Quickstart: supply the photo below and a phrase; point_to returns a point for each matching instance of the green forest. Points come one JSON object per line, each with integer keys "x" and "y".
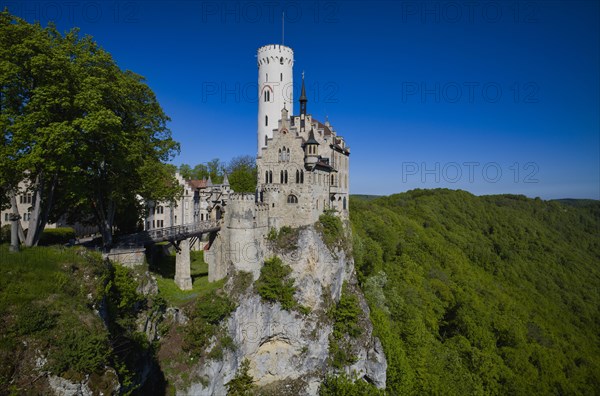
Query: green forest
{"x": 482, "y": 295}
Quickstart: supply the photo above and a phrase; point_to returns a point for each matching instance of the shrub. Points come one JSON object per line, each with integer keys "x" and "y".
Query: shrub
{"x": 285, "y": 239}
{"x": 57, "y": 236}
{"x": 332, "y": 229}
{"x": 345, "y": 315}
{"x": 242, "y": 383}
{"x": 5, "y": 233}
{"x": 79, "y": 349}
{"x": 344, "y": 385}
{"x": 32, "y": 318}
{"x": 208, "y": 312}
{"x": 275, "y": 284}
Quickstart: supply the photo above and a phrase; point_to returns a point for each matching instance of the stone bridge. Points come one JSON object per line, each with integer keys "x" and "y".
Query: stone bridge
{"x": 130, "y": 249}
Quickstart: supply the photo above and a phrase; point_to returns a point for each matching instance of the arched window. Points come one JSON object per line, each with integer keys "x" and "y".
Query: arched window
{"x": 285, "y": 174}
{"x": 292, "y": 199}
{"x": 280, "y": 76}
{"x": 266, "y": 139}
{"x": 281, "y": 177}
{"x": 266, "y": 177}
{"x": 266, "y": 124}
{"x": 344, "y": 201}
{"x": 288, "y": 154}
{"x": 270, "y": 176}
{"x": 280, "y": 157}
{"x": 301, "y": 176}
{"x": 281, "y": 60}
{"x": 297, "y": 176}
{"x": 332, "y": 180}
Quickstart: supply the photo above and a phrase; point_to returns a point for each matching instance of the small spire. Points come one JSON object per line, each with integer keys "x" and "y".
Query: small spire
{"x": 303, "y": 98}
{"x": 225, "y": 180}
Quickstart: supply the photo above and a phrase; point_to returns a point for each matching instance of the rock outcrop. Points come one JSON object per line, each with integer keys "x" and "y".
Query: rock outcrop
{"x": 288, "y": 351}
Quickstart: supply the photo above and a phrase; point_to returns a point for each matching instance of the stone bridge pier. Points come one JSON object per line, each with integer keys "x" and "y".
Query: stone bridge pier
{"x": 183, "y": 275}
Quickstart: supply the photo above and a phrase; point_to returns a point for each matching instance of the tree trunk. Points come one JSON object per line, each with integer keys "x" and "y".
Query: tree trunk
{"x": 14, "y": 225}
{"x": 105, "y": 220}
{"x": 40, "y": 212}
{"x": 15, "y": 211}
{"x": 35, "y": 213}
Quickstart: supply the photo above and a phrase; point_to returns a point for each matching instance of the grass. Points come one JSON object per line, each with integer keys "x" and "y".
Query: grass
{"x": 164, "y": 271}
{"x": 44, "y": 306}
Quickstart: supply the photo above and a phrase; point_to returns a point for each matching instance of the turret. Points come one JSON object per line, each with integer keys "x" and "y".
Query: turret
{"x": 311, "y": 151}
{"x": 275, "y": 88}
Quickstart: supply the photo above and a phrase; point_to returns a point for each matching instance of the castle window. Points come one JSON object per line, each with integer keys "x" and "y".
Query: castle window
{"x": 266, "y": 139}
{"x": 285, "y": 174}
{"x": 281, "y": 75}
{"x": 270, "y": 176}
{"x": 288, "y": 155}
{"x": 281, "y": 177}
{"x": 297, "y": 176}
{"x": 266, "y": 124}
{"x": 332, "y": 180}
{"x": 344, "y": 201}
{"x": 280, "y": 157}
{"x": 266, "y": 177}
{"x": 301, "y": 176}
{"x": 267, "y": 77}
{"x": 292, "y": 199}
{"x": 281, "y": 60}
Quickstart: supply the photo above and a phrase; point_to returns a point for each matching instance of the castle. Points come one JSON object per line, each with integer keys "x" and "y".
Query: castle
{"x": 302, "y": 163}
{"x": 303, "y": 171}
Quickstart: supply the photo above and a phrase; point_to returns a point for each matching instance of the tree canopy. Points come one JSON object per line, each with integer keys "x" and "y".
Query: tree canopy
{"x": 240, "y": 170}
{"x": 482, "y": 295}
{"x": 87, "y": 137}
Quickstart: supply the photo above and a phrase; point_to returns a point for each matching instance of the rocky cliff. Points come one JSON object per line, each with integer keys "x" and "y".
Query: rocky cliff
{"x": 290, "y": 350}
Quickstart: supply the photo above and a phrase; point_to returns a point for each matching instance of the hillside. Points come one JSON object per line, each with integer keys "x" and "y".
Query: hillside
{"x": 482, "y": 295}
{"x": 74, "y": 324}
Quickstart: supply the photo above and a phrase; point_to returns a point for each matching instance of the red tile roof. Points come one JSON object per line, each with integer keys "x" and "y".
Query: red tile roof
{"x": 195, "y": 184}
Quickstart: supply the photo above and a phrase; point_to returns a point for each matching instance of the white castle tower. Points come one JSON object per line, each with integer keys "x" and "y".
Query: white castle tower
{"x": 275, "y": 88}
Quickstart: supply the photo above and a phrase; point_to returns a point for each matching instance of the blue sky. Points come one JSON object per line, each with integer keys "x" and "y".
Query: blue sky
{"x": 487, "y": 96}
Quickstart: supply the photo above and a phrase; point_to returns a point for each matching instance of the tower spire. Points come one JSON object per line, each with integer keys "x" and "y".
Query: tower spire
{"x": 303, "y": 98}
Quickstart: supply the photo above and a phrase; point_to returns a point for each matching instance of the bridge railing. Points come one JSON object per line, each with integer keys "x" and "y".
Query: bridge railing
{"x": 177, "y": 232}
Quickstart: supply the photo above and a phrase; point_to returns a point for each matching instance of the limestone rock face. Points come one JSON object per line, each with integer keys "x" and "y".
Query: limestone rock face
{"x": 289, "y": 351}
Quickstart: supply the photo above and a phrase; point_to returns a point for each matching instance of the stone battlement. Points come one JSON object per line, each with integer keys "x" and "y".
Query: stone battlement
{"x": 240, "y": 197}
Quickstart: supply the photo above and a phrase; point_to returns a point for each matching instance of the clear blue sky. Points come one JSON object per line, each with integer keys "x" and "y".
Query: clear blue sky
{"x": 490, "y": 97}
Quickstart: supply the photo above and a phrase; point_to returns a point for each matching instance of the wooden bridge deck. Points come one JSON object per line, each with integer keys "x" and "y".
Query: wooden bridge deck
{"x": 174, "y": 233}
